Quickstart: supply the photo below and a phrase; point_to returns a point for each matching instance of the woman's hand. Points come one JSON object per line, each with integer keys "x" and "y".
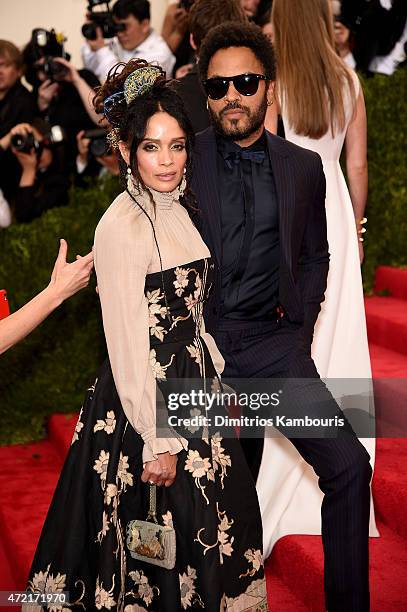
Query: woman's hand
{"x": 68, "y": 278}
{"x": 162, "y": 471}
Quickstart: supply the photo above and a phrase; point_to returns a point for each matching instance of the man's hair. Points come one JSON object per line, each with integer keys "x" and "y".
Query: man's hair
{"x": 207, "y": 14}
{"x": 237, "y": 35}
{"x": 11, "y": 53}
{"x": 140, "y": 9}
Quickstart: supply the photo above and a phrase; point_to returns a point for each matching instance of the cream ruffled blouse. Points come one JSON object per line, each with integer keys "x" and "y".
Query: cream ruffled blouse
{"x": 124, "y": 253}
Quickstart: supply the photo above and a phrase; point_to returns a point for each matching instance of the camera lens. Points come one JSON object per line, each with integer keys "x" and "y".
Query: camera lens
{"x": 99, "y": 147}
{"x": 23, "y": 143}
{"x": 89, "y": 31}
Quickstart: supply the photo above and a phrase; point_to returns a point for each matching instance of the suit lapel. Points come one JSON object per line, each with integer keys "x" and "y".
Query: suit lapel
{"x": 206, "y": 189}
{"x": 285, "y": 188}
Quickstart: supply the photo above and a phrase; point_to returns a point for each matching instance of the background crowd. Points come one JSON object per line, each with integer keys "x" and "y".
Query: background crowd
{"x": 50, "y": 136}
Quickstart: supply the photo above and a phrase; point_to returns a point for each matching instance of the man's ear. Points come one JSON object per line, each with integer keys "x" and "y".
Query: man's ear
{"x": 270, "y": 90}
{"x": 124, "y": 152}
{"x": 145, "y": 26}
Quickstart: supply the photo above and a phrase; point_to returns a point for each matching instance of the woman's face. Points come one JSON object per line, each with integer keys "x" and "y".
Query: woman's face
{"x": 161, "y": 156}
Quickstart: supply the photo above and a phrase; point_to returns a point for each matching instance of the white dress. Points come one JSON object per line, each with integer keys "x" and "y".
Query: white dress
{"x": 290, "y": 499}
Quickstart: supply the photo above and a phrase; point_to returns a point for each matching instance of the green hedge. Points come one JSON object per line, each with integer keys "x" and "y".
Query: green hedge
{"x": 386, "y": 238}
{"x": 51, "y": 369}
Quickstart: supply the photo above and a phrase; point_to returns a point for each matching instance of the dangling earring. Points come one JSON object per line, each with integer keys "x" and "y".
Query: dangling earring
{"x": 129, "y": 179}
{"x": 270, "y": 102}
{"x": 183, "y": 184}
{"x": 207, "y": 104}
{"x": 132, "y": 185}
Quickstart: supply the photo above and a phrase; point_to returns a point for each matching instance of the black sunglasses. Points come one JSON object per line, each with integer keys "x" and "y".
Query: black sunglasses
{"x": 246, "y": 84}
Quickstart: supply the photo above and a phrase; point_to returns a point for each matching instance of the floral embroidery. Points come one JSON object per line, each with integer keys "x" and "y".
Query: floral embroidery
{"x": 107, "y": 425}
{"x": 194, "y": 351}
{"x": 105, "y": 528}
{"x": 254, "y": 599}
{"x": 44, "y": 582}
{"x": 220, "y": 460}
{"x": 190, "y": 301}
{"x": 78, "y": 427}
{"x": 254, "y": 558}
{"x": 155, "y": 310}
{"x": 103, "y": 598}
{"x": 159, "y": 370}
{"x": 145, "y": 591}
{"x": 167, "y": 519}
{"x": 198, "y": 285}
{"x": 195, "y": 412}
{"x": 101, "y": 466}
{"x": 122, "y": 473}
{"x": 224, "y": 540}
{"x": 198, "y": 467}
{"x": 134, "y": 608}
{"x": 188, "y": 590}
{"x": 181, "y": 280}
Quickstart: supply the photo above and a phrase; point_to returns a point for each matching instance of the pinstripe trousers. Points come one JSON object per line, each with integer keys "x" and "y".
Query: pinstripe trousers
{"x": 276, "y": 350}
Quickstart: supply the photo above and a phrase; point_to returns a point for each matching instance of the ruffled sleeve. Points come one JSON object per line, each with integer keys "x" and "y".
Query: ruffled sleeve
{"x": 122, "y": 254}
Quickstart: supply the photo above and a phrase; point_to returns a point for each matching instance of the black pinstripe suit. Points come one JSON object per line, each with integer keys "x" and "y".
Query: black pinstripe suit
{"x": 263, "y": 350}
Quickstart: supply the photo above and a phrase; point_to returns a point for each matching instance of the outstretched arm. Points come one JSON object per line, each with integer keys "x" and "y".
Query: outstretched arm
{"x": 66, "y": 280}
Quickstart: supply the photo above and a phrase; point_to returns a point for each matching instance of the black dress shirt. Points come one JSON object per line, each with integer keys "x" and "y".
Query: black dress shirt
{"x": 250, "y": 231}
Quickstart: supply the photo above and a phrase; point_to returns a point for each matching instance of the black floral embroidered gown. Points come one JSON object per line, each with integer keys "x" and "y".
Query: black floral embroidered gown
{"x": 155, "y": 332}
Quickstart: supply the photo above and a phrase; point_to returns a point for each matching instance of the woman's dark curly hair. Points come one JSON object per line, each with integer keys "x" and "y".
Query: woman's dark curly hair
{"x": 232, "y": 34}
{"x": 131, "y": 119}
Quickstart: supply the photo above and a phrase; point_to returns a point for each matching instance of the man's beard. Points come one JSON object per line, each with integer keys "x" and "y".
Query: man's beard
{"x": 256, "y": 121}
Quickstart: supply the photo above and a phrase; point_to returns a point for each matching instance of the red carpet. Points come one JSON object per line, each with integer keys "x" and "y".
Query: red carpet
{"x": 28, "y": 475}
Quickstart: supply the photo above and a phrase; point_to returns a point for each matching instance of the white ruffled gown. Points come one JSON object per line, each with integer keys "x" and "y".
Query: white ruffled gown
{"x": 290, "y": 499}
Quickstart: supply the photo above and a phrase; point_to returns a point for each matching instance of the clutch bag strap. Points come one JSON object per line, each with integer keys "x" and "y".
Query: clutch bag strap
{"x": 152, "y": 512}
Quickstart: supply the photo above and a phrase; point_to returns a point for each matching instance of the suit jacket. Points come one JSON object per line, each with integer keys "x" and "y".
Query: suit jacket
{"x": 304, "y": 257}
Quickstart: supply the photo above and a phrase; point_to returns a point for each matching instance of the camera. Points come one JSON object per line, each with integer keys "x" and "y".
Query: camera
{"x": 99, "y": 145}
{"x": 25, "y": 143}
{"x": 101, "y": 19}
{"x": 48, "y": 45}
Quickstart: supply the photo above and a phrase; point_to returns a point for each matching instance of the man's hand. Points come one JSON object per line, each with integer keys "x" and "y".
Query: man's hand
{"x": 28, "y": 161}
{"x": 162, "y": 471}
{"x": 99, "y": 41}
{"x": 46, "y": 92}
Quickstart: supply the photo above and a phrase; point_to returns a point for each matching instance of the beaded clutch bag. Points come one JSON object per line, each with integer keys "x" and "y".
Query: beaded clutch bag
{"x": 149, "y": 541}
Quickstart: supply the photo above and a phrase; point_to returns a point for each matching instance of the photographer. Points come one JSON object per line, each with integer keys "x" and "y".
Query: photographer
{"x": 17, "y": 105}
{"x": 95, "y": 157}
{"x": 43, "y": 183}
{"x": 135, "y": 38}
{"x": 175, "y": 32}
{"x": 63, "y": 93}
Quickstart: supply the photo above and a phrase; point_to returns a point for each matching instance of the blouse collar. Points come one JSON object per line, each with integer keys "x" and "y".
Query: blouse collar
{"x": 162, "y": 200}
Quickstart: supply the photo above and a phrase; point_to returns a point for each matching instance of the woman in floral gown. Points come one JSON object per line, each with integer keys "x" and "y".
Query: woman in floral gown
{"x": 154, "y": 274}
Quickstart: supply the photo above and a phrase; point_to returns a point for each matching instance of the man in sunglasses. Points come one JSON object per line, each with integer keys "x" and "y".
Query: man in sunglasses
{"x": 262, "y": 214}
